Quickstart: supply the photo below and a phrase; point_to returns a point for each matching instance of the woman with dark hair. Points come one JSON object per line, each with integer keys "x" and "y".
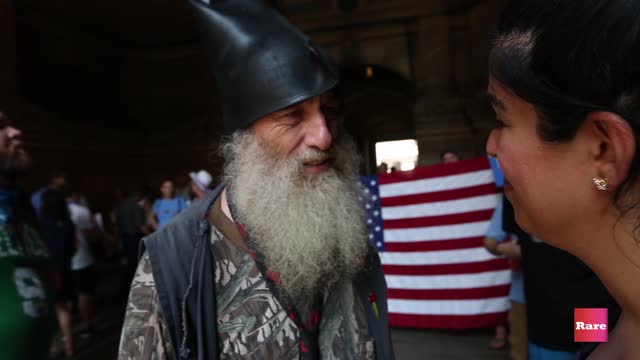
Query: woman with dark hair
{"x": 565, "y": 85}
{"x": 59, "y": 233}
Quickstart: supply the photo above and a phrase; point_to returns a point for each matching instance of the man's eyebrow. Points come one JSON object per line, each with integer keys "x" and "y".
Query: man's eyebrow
{"x": 495, "y": 101}
{"x": 283, "y": 111}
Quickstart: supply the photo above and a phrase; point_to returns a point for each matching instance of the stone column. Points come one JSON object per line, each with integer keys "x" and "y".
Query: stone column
{"x": 437, "y": 111}
{"x": 451, "y": 68}
{"x": 433, "y": 55}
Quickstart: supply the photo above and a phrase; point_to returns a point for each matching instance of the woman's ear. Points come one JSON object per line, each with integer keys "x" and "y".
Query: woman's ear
{"x": 611, "y": 145}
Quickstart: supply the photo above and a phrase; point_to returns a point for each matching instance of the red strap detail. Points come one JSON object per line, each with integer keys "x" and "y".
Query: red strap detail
{"x": 314, "y": 319}
{"x": 372, "y": 297}
{"x": 243, "y": 231}
{"x": 274, "y": 276}
{"x": 303, "y": 347}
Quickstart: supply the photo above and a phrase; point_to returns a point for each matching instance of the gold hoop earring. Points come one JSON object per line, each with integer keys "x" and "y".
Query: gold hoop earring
{"x": 601, "y": 183}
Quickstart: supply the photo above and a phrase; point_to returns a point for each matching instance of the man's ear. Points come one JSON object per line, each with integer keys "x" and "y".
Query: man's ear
{"x": 611, "y": 145}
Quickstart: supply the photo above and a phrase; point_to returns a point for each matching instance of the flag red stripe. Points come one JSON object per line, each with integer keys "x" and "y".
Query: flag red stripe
{"x": 455, "y": 322}
{"x": 439, "y": 170}
{"x": 447, "y": 195}
{"x": 437, "y": 245}
{"x": 452, "y": 219}
{"x": 450, "y": 294}
{"x": 447, "y": 269}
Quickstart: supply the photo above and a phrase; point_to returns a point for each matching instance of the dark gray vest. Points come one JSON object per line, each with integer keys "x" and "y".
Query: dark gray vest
{"x": 183, "y": 271}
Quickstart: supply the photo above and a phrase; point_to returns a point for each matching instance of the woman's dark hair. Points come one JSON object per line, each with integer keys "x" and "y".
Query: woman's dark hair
{"x": 569, "y": 58}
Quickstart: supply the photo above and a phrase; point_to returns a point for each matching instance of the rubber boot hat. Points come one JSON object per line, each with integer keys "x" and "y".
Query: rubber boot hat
{"x": 261, "y": 62}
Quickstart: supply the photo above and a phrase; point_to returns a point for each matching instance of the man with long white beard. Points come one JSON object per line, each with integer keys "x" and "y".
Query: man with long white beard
{"x": 274, "y": 263}
{"x": 26, "y": 313}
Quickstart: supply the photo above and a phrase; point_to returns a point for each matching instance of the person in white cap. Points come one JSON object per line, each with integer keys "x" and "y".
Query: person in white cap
{"x": 200, "y": 182}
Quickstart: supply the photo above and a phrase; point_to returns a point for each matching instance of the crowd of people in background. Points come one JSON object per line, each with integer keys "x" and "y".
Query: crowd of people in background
{"x": 76, "y": 237}
{"x": 140, "y": 213}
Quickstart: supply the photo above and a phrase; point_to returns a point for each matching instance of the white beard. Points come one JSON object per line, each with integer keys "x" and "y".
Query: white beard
{"x": 309, "y": 227}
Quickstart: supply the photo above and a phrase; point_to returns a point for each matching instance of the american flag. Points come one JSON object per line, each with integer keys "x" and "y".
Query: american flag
{"x": 428, "y": 225}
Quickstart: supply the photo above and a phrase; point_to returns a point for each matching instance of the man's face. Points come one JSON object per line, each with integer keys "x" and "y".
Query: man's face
{"x": 306, "y": 219}
{"x": 306, "y": 129}
{"x": 13, "y": 157}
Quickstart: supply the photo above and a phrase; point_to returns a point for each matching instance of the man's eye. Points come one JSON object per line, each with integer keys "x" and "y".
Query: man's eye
{"x": 291, "y": 117}
{"x": 295, "y": 114}
{"x": 499, "y": 124}
{"x": 330, "y": 110}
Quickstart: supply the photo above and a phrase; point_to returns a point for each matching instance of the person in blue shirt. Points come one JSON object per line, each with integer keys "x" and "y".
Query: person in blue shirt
{"x": 499, "y": 242}
{"x": 166, "y": 207}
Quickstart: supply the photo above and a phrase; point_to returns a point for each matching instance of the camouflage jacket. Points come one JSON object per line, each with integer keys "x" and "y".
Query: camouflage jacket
{"x": 149, "y": 334}
{"x": 144, "y": 333}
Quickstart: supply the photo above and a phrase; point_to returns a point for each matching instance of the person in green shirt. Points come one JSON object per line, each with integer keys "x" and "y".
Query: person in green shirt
{"x": 26, "y": 314}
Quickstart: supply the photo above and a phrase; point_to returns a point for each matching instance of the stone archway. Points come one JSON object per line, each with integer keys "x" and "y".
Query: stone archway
{"x": 379, "y": 106}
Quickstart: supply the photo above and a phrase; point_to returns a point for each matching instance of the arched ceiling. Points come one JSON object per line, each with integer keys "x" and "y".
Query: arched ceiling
{"x": 131, "y": 64}
{"x": 137, "y": 64}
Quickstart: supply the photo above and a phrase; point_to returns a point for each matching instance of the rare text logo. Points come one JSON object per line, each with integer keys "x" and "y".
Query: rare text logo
{"x": 590, "y": 325}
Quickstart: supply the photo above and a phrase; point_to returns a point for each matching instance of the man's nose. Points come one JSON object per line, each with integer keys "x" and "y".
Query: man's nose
{"x": 13, "y": 132}
{"x": 318, "y": 132}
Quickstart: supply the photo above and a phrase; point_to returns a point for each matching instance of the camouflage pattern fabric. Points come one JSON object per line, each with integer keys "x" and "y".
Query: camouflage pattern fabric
{"x": 251, "y": 322}
{"x": 343, "y": 328}
{"x": 144, "y": 334}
